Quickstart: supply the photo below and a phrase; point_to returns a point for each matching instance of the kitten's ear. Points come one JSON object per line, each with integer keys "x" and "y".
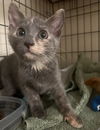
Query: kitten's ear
{"x": 14, "y": 15}
{"x": 55, "y": 22}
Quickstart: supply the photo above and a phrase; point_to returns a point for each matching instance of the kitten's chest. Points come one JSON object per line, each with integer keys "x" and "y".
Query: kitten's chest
{"x": 40, "y": 81}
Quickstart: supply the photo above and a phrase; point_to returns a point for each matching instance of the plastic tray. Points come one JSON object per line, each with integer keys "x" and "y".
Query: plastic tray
{"x": 11, "y": 112}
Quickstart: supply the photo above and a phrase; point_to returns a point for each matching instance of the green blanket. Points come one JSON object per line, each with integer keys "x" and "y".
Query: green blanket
{"x": 54, "y": 120}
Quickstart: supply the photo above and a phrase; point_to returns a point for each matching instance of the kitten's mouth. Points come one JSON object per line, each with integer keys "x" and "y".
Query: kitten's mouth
{"x": 32, "y": 53}
{"x": 35, "y": 49}
{"x": 28, "y": 45}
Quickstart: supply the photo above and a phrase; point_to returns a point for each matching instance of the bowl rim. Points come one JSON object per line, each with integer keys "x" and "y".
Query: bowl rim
{"x": 18, "y": 113}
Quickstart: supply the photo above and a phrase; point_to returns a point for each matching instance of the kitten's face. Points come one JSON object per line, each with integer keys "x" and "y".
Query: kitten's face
{"x": 32, "y": 38}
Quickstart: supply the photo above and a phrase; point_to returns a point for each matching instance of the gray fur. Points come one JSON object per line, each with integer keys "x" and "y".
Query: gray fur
{"x": 37, "y": 72}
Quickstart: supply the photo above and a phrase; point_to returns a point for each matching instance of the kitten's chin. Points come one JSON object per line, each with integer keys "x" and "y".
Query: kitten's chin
{"x": 29, "y": 56}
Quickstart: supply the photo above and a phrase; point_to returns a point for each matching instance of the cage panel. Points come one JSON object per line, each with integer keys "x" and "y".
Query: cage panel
{"x": 82, "y": 28}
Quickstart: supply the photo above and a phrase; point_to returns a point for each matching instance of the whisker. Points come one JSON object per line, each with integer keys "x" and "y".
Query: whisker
{"x": 56, "y": 48}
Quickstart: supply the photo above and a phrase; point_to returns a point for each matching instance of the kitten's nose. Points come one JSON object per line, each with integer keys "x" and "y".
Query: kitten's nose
{"x": 28, "y": 44}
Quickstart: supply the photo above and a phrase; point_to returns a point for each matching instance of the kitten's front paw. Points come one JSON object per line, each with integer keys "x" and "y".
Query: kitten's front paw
{"x": 38, "y": 112}
{"x": 74, "y": 121}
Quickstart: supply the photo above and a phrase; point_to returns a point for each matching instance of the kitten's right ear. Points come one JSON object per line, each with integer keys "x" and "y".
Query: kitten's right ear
{"x": 14, "y": 15}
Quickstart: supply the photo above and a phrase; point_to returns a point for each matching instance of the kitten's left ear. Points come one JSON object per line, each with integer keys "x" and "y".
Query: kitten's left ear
{"x": 55, "y": 22}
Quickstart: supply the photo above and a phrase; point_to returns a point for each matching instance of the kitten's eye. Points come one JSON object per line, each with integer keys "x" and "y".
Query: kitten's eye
{"x": 43, "y": 34}
{"x": 21, "y": 32}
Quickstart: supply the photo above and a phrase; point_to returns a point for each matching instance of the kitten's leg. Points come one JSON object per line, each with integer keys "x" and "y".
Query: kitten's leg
{"x": 64, "y": 106}
{"x": 6, "y": 86}
{"x": 34, "y": 100}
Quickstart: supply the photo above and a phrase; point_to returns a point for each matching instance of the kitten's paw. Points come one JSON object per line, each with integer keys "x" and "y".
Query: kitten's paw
{"x": 74, "y": 121}
{"x": 39, "y": 113}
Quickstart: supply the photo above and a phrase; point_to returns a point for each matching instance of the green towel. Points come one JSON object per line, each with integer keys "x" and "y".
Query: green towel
{"x": 54, "y": 120}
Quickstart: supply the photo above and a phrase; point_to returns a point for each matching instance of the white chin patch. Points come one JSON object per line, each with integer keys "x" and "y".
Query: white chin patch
{"x": 37, "y": 65}
{"x": 29, "y": 55}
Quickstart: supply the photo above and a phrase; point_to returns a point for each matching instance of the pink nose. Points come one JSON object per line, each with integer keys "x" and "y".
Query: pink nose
{"x": 28, "y": 44}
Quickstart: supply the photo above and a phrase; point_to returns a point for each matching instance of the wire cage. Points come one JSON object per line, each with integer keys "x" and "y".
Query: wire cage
{"x": 80, "y": 32}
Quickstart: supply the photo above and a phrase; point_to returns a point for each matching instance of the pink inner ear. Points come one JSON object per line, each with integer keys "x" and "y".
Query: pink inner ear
{"x": 56, "y": 23}
{"x": 58, "y": 33}
{"x": 57, "y": 26}
{"x": 11, "y": 20}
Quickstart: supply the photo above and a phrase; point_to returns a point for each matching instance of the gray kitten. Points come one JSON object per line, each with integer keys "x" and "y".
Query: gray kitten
{"x": 33, "y": 68}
